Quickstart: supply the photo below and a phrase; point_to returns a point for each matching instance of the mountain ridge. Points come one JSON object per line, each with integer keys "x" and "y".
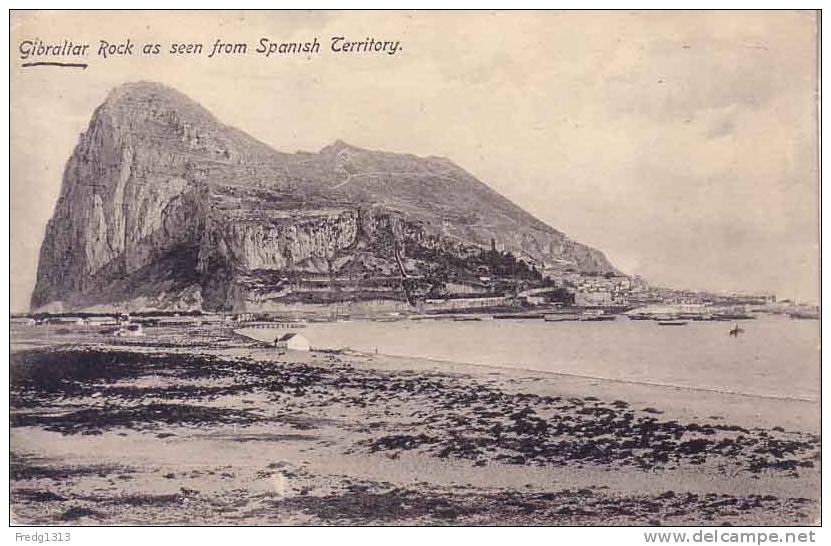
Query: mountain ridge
{"x": 156, "y": 179}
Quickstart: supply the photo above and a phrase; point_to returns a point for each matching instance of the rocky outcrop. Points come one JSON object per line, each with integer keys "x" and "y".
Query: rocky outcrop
{"x": 287, "y": 243}
{"x": 163, "y": 206}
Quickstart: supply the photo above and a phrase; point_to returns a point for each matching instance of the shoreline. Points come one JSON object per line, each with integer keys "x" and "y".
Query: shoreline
{"x": 506, "y": 368}
{"x": 801, "y": 413}
{"x": 162, "y": 433}
{"x": 685, "y": 402}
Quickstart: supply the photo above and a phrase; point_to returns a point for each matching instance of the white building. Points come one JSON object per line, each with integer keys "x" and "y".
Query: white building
{"x": 292, "y": 341}
{"x": 593, "y": 299}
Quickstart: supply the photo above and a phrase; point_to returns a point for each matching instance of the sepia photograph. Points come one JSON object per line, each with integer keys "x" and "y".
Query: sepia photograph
{"x": 414, "y": 268}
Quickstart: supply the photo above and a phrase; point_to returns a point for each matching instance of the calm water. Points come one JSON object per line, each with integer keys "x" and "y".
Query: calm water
{"x": 774, "y": 357}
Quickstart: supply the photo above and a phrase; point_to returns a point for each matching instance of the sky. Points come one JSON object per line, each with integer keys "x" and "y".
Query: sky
{"x": 681, "y": 144}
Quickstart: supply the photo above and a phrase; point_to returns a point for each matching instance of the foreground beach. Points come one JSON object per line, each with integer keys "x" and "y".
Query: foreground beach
{"x": 211, "y": 429}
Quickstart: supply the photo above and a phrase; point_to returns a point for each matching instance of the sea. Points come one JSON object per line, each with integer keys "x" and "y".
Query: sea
{"x": 774, "y": 357}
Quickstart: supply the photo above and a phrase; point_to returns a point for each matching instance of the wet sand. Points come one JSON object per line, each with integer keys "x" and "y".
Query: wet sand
{"x": 203, "y": 427}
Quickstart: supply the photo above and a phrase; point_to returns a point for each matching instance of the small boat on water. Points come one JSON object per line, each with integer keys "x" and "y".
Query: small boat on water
{"x": 519, "y": 316}
{"x": 561, "y": 317}
{"x": 733, "y": 316}
{"x": 670, "y": 320}
{"x": 595, "y": 315}
{"x": 803, "y": 315}
{"x": 466, "y": 319}
{"x": 736, "y": 331}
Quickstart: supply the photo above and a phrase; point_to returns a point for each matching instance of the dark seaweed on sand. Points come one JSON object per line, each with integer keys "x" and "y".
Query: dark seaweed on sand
{"x": 457, "y": 417}
{"x": 386, "y": 504}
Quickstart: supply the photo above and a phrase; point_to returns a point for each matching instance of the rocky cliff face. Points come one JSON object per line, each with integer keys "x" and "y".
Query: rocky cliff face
{"x": 164, "y": 207}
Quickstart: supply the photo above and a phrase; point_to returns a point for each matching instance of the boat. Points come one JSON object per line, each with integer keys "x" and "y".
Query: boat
{"x": 466, "y": 319}
{"x": 736, "y": 331}
{"x": 595, "y": 315}
{"x": 672, "y": 322}
{"x": 519, "y": 316}
{"x": 803, "y": 315}
{"x": 561, "y": 317}
{"x": 733, "y": 313}
{"x": 129, "y": 330}
{"x": 733, "y": 316}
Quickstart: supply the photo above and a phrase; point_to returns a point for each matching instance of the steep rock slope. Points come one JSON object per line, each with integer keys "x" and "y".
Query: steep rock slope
{"x": 163, "y": 206}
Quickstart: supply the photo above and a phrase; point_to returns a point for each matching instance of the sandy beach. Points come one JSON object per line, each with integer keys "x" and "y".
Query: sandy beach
{"x": 210, "y": 428}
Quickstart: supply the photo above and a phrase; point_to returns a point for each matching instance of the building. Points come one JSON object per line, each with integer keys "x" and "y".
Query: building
{"x": 292, "y": 341}
{"x": 593, "y": 299}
